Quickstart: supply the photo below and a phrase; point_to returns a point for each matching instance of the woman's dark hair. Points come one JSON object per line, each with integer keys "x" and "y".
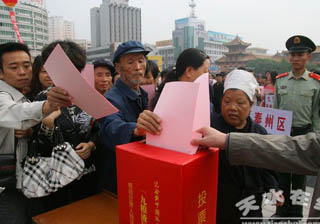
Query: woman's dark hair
{"x": 164, "y": 73}
{"x": 153, "y": 68}
{"x": 273, "y": 76}
{"x": 75, "y": 53}
{"x": 191, "y": 57}
{"x": 35, "y": 86}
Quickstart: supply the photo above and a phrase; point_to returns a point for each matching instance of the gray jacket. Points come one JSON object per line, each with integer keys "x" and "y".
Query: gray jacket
{"x": 300, "y": 154}
{"x": 16, "y": 113}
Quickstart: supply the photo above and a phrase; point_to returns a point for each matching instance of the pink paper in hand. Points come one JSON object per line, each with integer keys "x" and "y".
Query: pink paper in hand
{"x": 88, "y": 74}
{"x": 176, "y": 108}
{"x": 151, "y": 90}
{"x": 202, "y": 114}
{"x": 184, "y": 107}
{"x": 65, "y": 75}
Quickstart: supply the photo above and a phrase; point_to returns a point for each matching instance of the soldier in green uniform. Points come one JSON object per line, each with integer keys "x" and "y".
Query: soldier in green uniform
{"x": 297, "y": 91}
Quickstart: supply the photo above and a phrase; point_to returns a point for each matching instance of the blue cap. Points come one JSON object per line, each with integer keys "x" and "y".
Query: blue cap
{"x": 128, "y": 47}
{"x": 104, "y": 63}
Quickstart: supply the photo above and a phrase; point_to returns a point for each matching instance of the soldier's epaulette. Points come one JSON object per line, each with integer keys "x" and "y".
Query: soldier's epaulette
{"x": 314, "y": 76}
{"x": 282, "y": 75}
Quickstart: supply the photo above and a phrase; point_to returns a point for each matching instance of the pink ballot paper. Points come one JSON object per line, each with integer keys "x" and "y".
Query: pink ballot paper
{"x": 151, "y": 90}
{"x": 183, "y": 107}
{"x": 88, "y": 74}
{"x": 65, "y": 75}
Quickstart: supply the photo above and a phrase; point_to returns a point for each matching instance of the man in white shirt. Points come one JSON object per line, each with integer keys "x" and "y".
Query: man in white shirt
{"x": 17, "y": 116}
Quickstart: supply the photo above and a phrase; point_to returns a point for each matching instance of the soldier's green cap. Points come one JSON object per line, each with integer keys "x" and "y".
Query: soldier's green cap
{"x": 299, "y": 43}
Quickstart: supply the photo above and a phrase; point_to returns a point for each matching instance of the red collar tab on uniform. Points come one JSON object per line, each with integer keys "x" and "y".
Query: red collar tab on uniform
{"x": 282, "y": 75}
{"x": 314, "y": 76}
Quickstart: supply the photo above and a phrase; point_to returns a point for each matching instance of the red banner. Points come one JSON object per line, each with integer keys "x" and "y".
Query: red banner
{"x": 15, "y": 25}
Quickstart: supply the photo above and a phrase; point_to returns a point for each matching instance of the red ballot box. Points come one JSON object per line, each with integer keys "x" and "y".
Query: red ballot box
{"x": 156, "y": 185}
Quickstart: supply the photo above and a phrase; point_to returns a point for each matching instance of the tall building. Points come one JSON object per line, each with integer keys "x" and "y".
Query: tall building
{"x": 69, "y": 30}
{"x": 165, "y": 48}
{"x": 190, "y": 32}
{"x": 83, "y": 43}
{"x": 32, "y": 21}
{"x": 60, "y": 29}
{"x": 115, "y": 21}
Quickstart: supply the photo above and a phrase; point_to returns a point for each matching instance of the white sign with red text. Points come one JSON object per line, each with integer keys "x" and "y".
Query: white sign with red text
{"x": 276, "y": 122}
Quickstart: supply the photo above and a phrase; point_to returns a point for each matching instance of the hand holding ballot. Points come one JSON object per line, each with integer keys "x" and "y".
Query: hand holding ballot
{"x": 65, "y": 75}
{"x": 148, "y": 122}
{"x": 184, "y": 108}
{"x": 56, "y": 98}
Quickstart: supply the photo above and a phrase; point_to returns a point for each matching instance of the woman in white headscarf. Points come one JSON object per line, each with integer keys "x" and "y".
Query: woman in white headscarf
{"x": 237, "y": 183}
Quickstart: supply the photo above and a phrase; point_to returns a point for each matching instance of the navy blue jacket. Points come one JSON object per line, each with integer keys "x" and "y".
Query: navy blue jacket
{"x": 118, "y": 128}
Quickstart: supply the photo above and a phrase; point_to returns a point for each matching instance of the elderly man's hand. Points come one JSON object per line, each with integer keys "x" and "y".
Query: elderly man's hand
{"x": 148, "y": 122}
{"x": 210, "y": 138}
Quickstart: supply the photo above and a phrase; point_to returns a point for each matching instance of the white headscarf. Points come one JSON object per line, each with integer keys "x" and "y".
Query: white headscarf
{"x": 243, "y": 80}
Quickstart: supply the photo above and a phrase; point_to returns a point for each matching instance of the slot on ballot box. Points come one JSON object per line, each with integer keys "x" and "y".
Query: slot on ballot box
{"x": 156, "y": 185}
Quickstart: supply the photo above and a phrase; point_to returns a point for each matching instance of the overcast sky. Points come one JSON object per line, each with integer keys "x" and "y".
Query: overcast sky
{"x": 264, "y": 23}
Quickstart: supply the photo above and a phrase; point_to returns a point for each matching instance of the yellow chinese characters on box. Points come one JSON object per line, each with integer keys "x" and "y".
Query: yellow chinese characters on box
{"x": 156, "y": 185}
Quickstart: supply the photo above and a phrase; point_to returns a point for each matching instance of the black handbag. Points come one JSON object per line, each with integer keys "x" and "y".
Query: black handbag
{"x": 8, "y": 170}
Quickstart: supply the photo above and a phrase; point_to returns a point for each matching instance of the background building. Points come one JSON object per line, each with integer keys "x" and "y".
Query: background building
{"x": 115, "y": 21}
{"x": 112, "y": 23}
{"x": 190, "y": 32}
{"x": 238, "y": 55}
{"x": 165, "y": 49}
{"x": 60, "y": 29}
{"x": 221, "y": 37}
{"x": 85, "y": 44}
{"x": 32, "y": 20}
{"x": 257, "y": 50}
{"x": 95, "y": 53}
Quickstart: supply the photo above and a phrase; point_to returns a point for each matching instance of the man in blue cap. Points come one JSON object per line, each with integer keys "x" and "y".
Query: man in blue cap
{"x": 120, "y": 128}
{"x": 299, "y": 92}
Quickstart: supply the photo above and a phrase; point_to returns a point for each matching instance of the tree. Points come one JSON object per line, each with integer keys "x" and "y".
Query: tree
{"x": 260, "y": 66}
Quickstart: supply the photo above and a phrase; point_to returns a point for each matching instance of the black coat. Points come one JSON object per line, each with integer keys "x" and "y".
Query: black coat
{"x": 75, "y": 125}
{"x": 216, "y": 96}
{"x": 239, "y": 182}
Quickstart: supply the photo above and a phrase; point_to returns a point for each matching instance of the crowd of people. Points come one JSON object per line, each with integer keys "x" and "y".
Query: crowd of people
{"x": 33, "y": 109}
